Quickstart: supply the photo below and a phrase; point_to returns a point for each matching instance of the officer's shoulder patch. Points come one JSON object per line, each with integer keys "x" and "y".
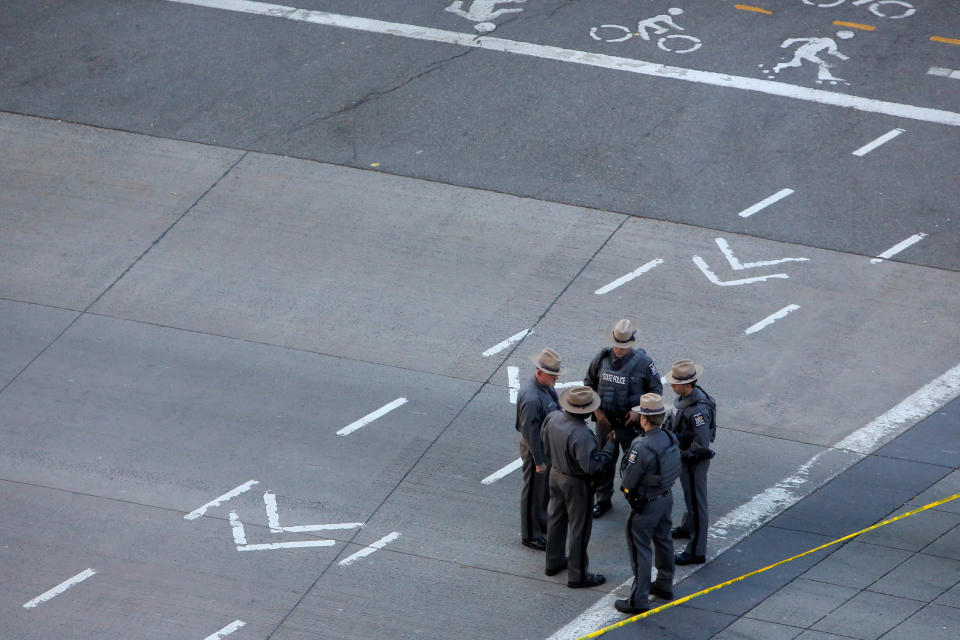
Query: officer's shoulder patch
{"x": 699, "y": 420}
{"x": 632, "y": 458}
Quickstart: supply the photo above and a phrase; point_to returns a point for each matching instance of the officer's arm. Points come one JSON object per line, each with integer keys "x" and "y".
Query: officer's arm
{"x": 654, "y": 384}
{"x": 593, "y": 372}
{"x": 699, "y": 426}
{"x": 528, "y": 415}
{"x": 590, "y": 457}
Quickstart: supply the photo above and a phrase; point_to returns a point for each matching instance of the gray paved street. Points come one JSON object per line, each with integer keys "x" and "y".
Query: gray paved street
{"x": 269, "y": 281}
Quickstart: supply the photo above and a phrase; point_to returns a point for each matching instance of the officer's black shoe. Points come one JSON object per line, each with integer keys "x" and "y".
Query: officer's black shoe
{"x": 623, "y": 606}
{"x": 553, "y": 572}
{"x": 535, "y": 543}
{"x": 663, "y": 594}
{"x": 601, "y": 508}
{"x": 591, "y": 580}
{"x": 677, "y": 532}
{"x": 686, "y": 558}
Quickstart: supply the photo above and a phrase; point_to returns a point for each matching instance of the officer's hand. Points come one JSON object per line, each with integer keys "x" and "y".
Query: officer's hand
{"x": 632, "y": 417}
{"x": 601, "y": 418}
{"x": 541, "y": 468}
{"x": 611, "y": 436}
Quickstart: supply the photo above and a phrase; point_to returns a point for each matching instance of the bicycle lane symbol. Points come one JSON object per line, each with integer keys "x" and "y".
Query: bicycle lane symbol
{"x": 893, "y": 9}
{"x": 657, "y": 25}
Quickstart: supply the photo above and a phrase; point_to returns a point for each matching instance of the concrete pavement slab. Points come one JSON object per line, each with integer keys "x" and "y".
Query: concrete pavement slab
{"x": 353, "y": 263}
{"x": 857, "y": 564}
{"x": 935, "y": 440}
{"x": 802, "y": 603}
{"x": 922, "y": 577}
{"x": 933, "y": 622}
{"x": 948, "y": 486}
{"x": 915, "y": 533}
{"x": 679, "y": 623}
{"x": 748, "y": 629}
{"x": 947, "y": 545}
{"x": 81, "y": 204}
{"x": 868, "y": 615}
{"x": 25, "y": 331}
{"x": 950, "y": 597}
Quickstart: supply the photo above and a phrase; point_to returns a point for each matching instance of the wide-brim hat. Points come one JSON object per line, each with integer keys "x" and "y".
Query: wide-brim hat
{"x": 651, "y": 404}
{"x": 579, "y": 400}
{"x": 622, "y": 334}
{"x": 549, "y": 362}
{"x": 684, "y": 372}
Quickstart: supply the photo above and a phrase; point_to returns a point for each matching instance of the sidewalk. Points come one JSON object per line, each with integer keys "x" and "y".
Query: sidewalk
{"x": 899, "y": 581}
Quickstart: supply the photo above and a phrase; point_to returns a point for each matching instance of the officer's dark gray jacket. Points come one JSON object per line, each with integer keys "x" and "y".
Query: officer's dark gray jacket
{"x": 572, "y": 447}
{"x": 690, "y": 421}
{"x": 621, "y": 390}
{"x": 534, "y": 402}
{"x": 641, "y": 472}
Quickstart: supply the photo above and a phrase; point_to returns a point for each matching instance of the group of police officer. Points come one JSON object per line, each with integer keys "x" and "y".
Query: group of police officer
{"x": 569, "y": 469}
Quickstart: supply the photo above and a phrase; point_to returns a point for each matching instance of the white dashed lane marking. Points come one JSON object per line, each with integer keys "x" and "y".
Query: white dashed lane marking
{"x": 766, "y": 202}
{"x": 870, "y": 146}
{"x": 227, "y": 630}
{"x": 60, "y": 588}
{"x": 370, "y": 417}
{"x": 897, "y": 248}
{"x": 233, "y": 493}
{"x": 773, "y": 317}
{"x": 500, "y": 346}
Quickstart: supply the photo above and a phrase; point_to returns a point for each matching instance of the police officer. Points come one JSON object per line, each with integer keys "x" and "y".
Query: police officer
{"x": 648, "y": 472}
{"x": 620, "y": 373}
{"x": 536, "y": 399}
{"x": 575, "y": 458}
{"x": 693, "y": 421}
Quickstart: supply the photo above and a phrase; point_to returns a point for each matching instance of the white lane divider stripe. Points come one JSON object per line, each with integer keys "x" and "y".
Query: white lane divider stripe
{"x": 587, "y": 58}
{"x": 233, "y": 493}
{"x": 943, "y": 71}
{"x": 897, "y": 248}
{"x": 379, "y": 544}
{"x": 60, "y": 588}
{"x": 504, "y": 471}
{"x": 500, "y": 346}
{"x": 227, "y": 630}
{"x": 773, "y": 317}
{"x": 870, "y": 146}
{"x": 513, "y": 382}
{"x": 630, "y": 276}
{"x": 770, "y": 503}
{"x": 370, "y": 417}
{"x": 766, "y": 202}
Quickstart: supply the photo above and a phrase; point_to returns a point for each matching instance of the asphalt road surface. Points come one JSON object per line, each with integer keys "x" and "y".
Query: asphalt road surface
{"x": 269, "y": 280}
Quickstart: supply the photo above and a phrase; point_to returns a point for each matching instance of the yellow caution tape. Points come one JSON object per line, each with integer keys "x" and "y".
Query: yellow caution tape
{"x": 716, "y": 587}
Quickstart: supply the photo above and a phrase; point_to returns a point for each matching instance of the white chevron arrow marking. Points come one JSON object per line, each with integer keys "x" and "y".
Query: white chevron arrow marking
{"x": 736, "y": 265}
{"x": 712, "y": 277}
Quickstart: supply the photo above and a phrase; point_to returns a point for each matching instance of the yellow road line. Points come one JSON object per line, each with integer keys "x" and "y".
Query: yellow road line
{"x": 854, "y": 25}
{"x": 947, "y": 40}
{"x": 717, "y": 587}
{"x": 746, "y": 7}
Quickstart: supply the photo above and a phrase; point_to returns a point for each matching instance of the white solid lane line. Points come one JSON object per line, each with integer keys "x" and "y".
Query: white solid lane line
{"x": 870, "y": 146}
{"x": 766, "y": 202}
{"x": 379, "y": 544}
{"x": 370, "y": 417}
{"x": 500, "y": 346}
{"x": 227, "y": 630}
{"x": 630, "y": 276}
{"x": 504, "y": 471}
{"x": 768, "y": 504}
{"x": 60, "y": 588}
{"x": 586, "y": 58}
{"x": 770, "y": 319}
{"x": 233, "y": 493}
{"x": 897, "y": 248}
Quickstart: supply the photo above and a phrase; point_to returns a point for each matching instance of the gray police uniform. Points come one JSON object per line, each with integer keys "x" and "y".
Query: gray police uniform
{"x": 620, "y": 382}
{"x": 534, "y": 402}
{"x": 574, "y": 457}
{"x": 691, "y": 421}
{"x": 648, "y": 472}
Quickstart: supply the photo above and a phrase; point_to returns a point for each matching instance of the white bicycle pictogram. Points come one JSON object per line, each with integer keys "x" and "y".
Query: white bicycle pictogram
{"x": 894, "y": 9}
{"x": 674, "y": 43}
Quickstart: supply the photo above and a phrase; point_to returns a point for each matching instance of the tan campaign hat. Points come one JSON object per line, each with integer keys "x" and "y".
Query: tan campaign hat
{"x": 684, "y": 372}
{"x": 622, "y": 334}
{"x": 549, "y": 362}
{"x": 579, "y": 400}
{"x": 650, "y": 404}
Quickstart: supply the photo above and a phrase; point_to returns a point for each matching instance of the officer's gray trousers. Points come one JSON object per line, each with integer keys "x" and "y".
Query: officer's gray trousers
{"x": 534, "y": 497}
{"x": 693, "y": 479}
{"x": 651, "y": 524}
{"x": 570, "y": 507}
